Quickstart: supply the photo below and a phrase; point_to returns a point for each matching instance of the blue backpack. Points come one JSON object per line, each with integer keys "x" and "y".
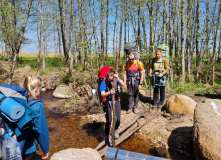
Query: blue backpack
{"x": 16, "y": 114}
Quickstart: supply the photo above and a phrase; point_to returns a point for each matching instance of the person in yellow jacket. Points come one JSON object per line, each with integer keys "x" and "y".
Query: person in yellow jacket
{"x": 158, "y": 69}
{"x": 133, "y": 77}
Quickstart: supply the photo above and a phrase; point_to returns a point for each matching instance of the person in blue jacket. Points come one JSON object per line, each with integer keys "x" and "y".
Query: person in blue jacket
{"x": 106, "y": 91}
{"x": 33, "y": 85}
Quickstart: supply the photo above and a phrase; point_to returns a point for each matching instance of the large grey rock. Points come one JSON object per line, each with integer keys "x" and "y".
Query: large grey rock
{"x": 51, "y": 82}
{"x": 207, "y": 130}
{"x": 76, "y": 154}
{"x": 180, "y": 103}
{"x": 62, "y": 91}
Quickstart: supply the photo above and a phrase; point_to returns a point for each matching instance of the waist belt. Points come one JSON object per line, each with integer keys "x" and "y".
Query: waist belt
{"x": 158, "y": 70}
{"x": 116, "y": 99}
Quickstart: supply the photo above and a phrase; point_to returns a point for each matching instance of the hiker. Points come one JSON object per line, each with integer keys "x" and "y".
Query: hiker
{"x": 133, "y": 77}
{"x": 107, "y": 90}
{"x": 158, "y": 69}
{"x": 33, "y": 85}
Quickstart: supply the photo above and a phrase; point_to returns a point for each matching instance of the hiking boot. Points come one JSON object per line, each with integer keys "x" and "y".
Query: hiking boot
{"x": 154, "y": 106}
{"x": 160, "y": 106}
{"x": 129, "y": 111}
{"x": 116, "y": 134}
{"x": 108, "y": 140}
{"x": 135, "y": 111}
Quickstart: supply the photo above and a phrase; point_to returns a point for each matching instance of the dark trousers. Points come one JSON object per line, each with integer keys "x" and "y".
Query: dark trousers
{"x": 156, "y": 93}
{"x": 108, "y": 115}
{"x": 31, "y": 156}
{"x": 133, "y": 91}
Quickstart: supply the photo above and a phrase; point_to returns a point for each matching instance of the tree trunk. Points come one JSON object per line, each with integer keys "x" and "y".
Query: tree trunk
{"x": 42, "y": 30}
{"x": 214, "y": 45}
{"x": 182, "y": 79}
{"x": 170, "y": 40}
{"x": 85, "y": 44}
{"x": 150, "y": 8}
{"x": 144, "y": 31}
{"x": 138, "y": 30}
{"x": 8, "y": 52}
{"x": 71, "y": 40}
{"x": 102, "y": 33}
{"x": 121, "y": 28}
{"x": 164, "y": 22}
{"x": 197, "y": 40}
{"x": 107, "y": 23}
{"x": 134, "y": 25}
{"x": 19, "y": 41}
{"x": 63, "y": 29}
{"x": 188, "y": 39}
{"x": 115, "y": 28}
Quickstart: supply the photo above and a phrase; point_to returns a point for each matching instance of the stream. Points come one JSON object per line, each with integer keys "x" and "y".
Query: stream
{"x": 72, "y": 131}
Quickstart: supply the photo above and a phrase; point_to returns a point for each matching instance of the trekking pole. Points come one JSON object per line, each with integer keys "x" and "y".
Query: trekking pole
{"x": 113, "y": 105}
{"x": 150, "y": 93}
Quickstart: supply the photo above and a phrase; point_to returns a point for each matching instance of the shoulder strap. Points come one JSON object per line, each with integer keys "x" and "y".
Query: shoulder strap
{"x": 31, "y": 103}
{"x": 107, "y": 83}
{"x": 127, "y": 65}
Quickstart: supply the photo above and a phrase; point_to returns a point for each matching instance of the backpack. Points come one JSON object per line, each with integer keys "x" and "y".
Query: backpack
{"x": 16, "y": 115}
{"x": 128, "y": 49}
{"x": 165, "y": 53}
{"x": 102, "y": 75}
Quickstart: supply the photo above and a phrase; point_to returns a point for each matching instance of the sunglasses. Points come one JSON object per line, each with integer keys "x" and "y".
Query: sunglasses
{"x": 131, "y": 59}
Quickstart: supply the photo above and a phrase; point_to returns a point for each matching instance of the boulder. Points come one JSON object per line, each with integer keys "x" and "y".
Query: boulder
{"x": 51, "y": 82}
{"x": 76, "y": 154}
{"x": 180, "y": 103}
{"x": 84, "y": 90}
{"x": 207, "y": 130}
{"x": 62, "y": 91}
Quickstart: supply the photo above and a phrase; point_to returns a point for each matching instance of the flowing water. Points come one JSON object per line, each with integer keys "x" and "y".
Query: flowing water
{"x": 71, "y": 131}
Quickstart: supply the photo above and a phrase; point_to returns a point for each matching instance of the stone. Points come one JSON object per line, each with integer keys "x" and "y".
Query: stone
{"x": 207, "y": 130}
{"x": 84, "y": 90}
{"x": 62, "y": 91}
{"x": 180, "y": 103}
{"x": 77, "y": 154}
{"x": 160, "y": 149}
{"x": 51, "y": 82}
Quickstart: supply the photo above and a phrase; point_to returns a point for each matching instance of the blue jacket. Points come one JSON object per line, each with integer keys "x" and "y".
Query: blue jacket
{"x": 41, "y": 131}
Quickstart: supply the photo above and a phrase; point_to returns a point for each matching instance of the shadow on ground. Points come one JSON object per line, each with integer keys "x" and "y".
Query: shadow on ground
{"x": 95, "y": 129}
{"x": 180, "y": 144}
{"x": 211, "y": 96}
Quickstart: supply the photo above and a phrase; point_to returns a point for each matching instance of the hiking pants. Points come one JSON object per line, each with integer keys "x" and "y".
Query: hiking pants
{"x": 131, "y": 93}
{"x": 156, "y": 93}
{"x": 107, "y": 110}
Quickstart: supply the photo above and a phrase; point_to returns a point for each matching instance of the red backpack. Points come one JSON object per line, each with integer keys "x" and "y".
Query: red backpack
{"x": 102, "y": 75}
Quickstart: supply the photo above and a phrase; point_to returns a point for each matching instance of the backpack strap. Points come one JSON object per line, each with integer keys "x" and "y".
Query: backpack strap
{"x": 138, "y": 63}
{"x": 31, "y": 103}
{"x": 127, "y": 65}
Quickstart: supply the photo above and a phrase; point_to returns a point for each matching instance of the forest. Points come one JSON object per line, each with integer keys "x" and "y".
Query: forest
{"x": 81, "y": 31}
{"x": 66, "y": 42}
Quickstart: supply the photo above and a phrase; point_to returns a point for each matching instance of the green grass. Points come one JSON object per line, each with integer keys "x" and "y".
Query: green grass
{"x": 50, "y": 63}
